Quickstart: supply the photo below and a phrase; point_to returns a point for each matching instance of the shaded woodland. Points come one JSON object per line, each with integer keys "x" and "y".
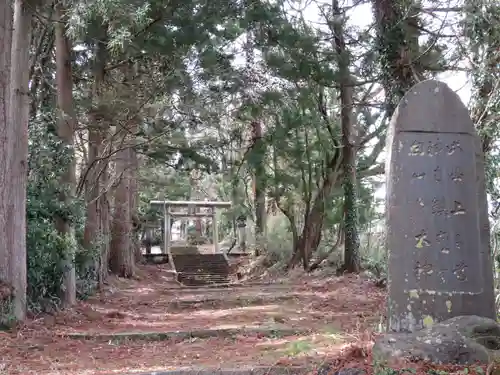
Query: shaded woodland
{"x": 279, "y": 107}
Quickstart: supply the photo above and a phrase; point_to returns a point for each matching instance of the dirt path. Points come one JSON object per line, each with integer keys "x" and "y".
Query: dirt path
{"x": 256, "y": 324}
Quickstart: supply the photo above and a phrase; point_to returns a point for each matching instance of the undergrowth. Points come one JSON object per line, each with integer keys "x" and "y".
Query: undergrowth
{"x": 46, "y": 247}
{"x": 276, "y": 248}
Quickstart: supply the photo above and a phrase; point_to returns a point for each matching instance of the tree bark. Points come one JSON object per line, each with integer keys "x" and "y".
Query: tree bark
{"x": 66, "y": 125}
{"x": 19, "y": 114}
{"x": 310, "y": 237}
{"x": 92, "y": 187}
{"x": 397, "y": 43}
{"x": 6, "y": 136}
{"x": 258, "y": 147}
{"x": 121, "y": 256}
{"x": 122, "y": 247}
{"x": 259, "y": 183}
{"x": 340, "y": 238}
{"x": 104, "y": 223}
{"x": 484, "y": 73}
{"x": 97, "y": 221}
{"x": 352, "y": 261}
{"x": 37, "y": 75}
{"x": 134, "y": 196}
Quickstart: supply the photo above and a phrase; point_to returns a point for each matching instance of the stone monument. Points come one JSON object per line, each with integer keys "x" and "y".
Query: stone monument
{"x": 436, "y": 210}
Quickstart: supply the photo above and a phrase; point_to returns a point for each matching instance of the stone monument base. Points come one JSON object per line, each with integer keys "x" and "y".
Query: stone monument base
{"x": 462, "y": 340}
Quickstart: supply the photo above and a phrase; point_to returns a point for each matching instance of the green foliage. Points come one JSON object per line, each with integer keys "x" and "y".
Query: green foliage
{"x": 393, "y": 37}
{"x": 7, "y": 317}
{"x": 481, "y": 27}
{"x": 196, "y": 102}
{"x": 45, "y": 246}
{"x": 278, "y": 242}
{"x": 195, "y": 238}
{"x": 294, "y": 348}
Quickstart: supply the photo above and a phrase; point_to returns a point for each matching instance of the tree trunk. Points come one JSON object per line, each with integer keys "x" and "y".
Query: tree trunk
{"x": 484, "y": 73}
{"x": 340, "y": 237}
{"x": 310, "y": 237}
{"x": 258, "y": 147}
{"x": 66, "y": 124}
{"x": 91, "y": 231}
{"x": 351, "y": 243}
{"x": 123, "y": 249}
{"x": 313, "y": 226}
{"x": 19, "y": 113}
{"x": 97, "y": 221}
{"x": 104, "y": 224}
{"x": 259, "y": 183}
{"x": 397, "y": 43}
{"x": 39, "y": 67}
{"x": 197, "y": 225}
{"x": 134, "y": 202}
{"x": 121, "y": 257}
{"x": 133, "y": 170}
{"x": 6, "y": 137}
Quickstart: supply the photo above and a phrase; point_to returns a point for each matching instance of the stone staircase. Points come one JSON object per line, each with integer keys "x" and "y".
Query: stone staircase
{"x": 201, "y": 269}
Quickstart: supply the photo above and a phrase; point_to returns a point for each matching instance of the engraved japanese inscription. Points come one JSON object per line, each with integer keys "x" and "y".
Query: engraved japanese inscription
{"x": 441, "y": 211}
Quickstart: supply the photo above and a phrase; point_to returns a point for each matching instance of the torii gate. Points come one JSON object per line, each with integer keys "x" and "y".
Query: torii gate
{"x": 168, "y": 214}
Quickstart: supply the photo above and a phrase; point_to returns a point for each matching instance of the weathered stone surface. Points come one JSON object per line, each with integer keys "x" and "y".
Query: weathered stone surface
{"x": 437, "y": 225}
{"x": 327, "y": 369}
{"x": 484, "y": 232}
{"x": 459, "y": 340}
{"x": 274, "y": 331}
{"x": 351, "y": 371}
{"x": 155, "y": 258}
{"x": 257, "y": 370}
{"x": 182, "y": 250}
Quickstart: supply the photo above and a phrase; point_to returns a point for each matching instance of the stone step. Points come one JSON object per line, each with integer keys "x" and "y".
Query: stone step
{"x": 200, "y": 261}
{"x": 204, "y": 272}
{"x": 185, "y": 264}
{"x": 192, "y": 258}
{"x": 241, "y": 370}
{"x": 198, "y": 279}
{"x": 202, "y": 277}
{"x": 201, "y": 269}
{"x": 155, "y": 258}
{"x": 205, "y": 266}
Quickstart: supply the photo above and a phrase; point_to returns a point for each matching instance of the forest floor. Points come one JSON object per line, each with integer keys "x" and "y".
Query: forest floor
{"x": 152, "y": 323}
